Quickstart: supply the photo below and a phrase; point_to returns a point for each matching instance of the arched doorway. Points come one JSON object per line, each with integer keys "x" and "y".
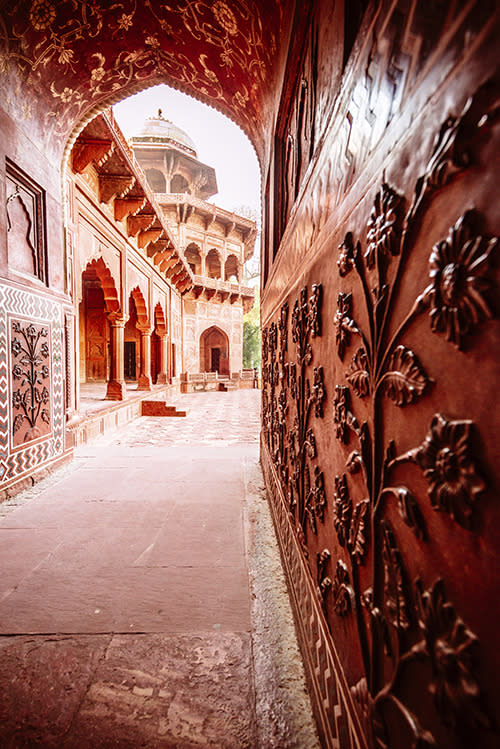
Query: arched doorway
{"x": 193, "y": 258}
{"x": 213, "y": 264}
{"x": 99, "y": 299}
{"x": 232, "y": 269}
{"x": 137, "y": 344}
{"x": 214, "y": 351}
{"x": 159, "y": 347}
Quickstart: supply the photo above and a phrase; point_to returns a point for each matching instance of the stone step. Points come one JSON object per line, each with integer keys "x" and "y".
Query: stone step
{"x": 159, "y": 408}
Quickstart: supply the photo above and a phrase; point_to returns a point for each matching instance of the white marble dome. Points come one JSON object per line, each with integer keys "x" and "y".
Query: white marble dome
{"x": 159, "y": 130}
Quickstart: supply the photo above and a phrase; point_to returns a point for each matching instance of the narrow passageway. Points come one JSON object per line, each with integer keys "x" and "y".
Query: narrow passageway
{"x": 141, "y": 596}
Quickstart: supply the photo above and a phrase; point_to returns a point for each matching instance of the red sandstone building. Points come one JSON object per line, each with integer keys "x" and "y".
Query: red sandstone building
{"x": 148, "y": 305}
{"x": 376, "y": 126}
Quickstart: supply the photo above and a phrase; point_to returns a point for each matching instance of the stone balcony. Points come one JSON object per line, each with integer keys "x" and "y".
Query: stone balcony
{"x": 222, "y": 290}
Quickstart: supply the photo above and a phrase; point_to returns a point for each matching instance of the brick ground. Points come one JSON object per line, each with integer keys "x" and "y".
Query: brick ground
{"x": 126, "y": 594}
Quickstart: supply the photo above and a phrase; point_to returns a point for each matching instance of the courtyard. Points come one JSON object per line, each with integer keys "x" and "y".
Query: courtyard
{"x": 148, "y": 606}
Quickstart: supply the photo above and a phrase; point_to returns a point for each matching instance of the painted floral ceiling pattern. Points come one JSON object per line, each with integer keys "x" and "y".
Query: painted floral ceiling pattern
{"x": 77, "y": 55}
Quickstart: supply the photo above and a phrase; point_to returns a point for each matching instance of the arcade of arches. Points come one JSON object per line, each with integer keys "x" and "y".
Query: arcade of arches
{"x": 376, "y": 127}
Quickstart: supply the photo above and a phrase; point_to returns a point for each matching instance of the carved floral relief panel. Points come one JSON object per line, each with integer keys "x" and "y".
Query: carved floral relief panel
{"x": 389, "y": 507}
{"x": 30, "y": 381}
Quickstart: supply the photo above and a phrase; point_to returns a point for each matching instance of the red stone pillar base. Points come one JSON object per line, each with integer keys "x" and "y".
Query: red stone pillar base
{"x": 116, "y": 391}
{"x": 144, "y": 382}
{"x": 161, "y": 378}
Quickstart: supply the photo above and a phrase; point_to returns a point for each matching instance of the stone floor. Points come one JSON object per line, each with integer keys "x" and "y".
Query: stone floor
{"x": 142, "y": 602}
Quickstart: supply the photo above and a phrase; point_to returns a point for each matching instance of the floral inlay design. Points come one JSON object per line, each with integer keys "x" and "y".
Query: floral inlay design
{"x": 42, "y": 14}
{"x": 385, "y": 372}
{"x": 230, "y": 61}
{"x": 30, "y": 381}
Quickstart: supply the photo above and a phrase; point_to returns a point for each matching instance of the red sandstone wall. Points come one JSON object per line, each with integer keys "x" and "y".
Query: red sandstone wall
{"x": 35, "y": 313}
{"x": 380, "y": 361}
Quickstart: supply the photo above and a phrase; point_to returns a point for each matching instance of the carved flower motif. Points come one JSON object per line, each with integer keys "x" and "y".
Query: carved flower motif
{"x": 44, "y": 371}
{"x": 17, "y": 398}
{"x": 444, "y": 457}
{"x": 16, "y": 347}
{"x": 152, "y": 41}
{"x": 342, "y": 591}
{"x": 340, "y": 413}
{"x": 44, "y": 350}
{"x": 318, "y": 391}
{"x": 314, "y": 318}
{"x": 346, "y": 255}
{"x": 42, "y": 14}
{"x": 457, "y": 268}
{"x": 31, "y": 331}
{"x": 383, "y": 225}
{"x": 343, "y": 323}
{"x": 342, "y": 509}
{"x": 225, "y": 17}
{"x": 17, "y": 371}
{"x": 450, "y": 645}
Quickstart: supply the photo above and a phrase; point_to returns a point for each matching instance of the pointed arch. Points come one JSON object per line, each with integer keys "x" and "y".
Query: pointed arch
{"x": 214, "y": 350}
{"x": 159, "y": 320}
{"x": 140, "y": 306}
{"x": 97, "y": 268}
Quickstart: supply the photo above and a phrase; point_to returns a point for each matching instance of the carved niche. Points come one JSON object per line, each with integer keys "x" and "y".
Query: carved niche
{"x": 30, "y": 381}
{"x": 25, "y": 224}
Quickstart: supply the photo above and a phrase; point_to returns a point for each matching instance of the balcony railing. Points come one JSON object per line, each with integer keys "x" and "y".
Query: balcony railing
{"x": 219, "y": 285}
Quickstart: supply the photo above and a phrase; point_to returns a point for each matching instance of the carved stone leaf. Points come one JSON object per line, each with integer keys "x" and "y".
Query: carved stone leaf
{"x": 406, "y": 378}
{"x": 358, "y": 376}
{"x": 343, "y": 593}
{"x": 359, "y": 531}
{"x": 411, "y": 512}
{"x": 395, "y": 586}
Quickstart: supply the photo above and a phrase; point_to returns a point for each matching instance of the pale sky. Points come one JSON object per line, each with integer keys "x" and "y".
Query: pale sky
{"x": 219, "y": 142}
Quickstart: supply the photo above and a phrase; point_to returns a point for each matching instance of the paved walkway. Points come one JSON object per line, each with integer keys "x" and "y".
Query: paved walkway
{"x": 142, "y": 602}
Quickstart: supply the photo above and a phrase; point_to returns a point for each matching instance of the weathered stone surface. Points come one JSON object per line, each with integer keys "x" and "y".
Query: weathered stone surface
{"x": 178, "y": 691}
{"x": 44, "y": 681}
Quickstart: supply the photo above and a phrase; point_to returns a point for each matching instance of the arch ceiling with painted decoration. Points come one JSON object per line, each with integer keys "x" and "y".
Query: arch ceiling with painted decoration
{"x": 63, "y": 61}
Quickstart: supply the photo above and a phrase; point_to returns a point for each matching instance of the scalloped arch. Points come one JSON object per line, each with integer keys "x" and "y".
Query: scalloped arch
{"x": 103, "y": 273}
{"x": 140, "y": 305}
{"x": 159, "y": 318}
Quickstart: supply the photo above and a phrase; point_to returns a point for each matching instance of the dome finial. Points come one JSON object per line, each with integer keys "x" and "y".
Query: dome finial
{"x": 160, "y": 114}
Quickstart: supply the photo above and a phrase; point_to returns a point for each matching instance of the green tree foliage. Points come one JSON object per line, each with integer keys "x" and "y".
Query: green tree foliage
{"x": 251, "y": 335}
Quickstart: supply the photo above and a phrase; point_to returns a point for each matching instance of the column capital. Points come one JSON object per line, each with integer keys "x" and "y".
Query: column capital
{"x": 144, "y": 329}
{"x": 117, "y": 319}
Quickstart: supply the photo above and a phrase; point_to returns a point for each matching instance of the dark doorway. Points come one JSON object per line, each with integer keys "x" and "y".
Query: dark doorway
{"x": 129, "y": 365}
{"x": 215, "y": 360}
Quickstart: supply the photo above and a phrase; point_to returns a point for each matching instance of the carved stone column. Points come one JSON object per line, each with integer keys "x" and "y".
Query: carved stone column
{"x": 116, "y": 390}
{"x": 162, "y": 376}
{"x": 144, "y": 382}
